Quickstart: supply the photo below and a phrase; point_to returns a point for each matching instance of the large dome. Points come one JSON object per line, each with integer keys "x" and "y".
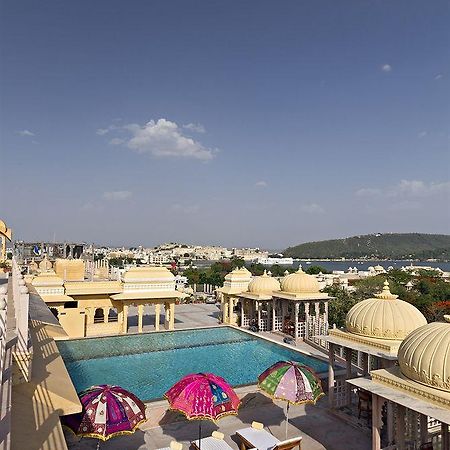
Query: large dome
{"x": 424, "y": 356}
{"x": 300, "y": 283}
{"x": 384, "y": 317}
{"x": 263, "y": 284}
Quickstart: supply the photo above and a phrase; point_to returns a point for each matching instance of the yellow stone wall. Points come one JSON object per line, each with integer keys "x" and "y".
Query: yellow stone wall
{"x": 70, "y": 269}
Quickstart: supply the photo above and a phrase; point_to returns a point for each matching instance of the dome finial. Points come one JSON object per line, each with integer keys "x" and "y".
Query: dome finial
{"x": 265, "y": 273}
{"x": 300, "y": 269}
{"x": 447, "y": 318}
{"x": 386, "y": 292}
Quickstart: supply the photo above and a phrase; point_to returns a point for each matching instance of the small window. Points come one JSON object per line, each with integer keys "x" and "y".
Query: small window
{"x": 68, "y": 305}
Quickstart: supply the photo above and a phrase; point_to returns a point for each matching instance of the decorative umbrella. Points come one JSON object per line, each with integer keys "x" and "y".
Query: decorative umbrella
{"x": 292, "y": 382}
{"x": 203, "y": 396}
{"x": 108, "y": 411}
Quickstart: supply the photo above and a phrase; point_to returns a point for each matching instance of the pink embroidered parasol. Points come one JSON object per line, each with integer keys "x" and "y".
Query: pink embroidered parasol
{"x": 203, "y": 396}
{"x": 108, "y": 411}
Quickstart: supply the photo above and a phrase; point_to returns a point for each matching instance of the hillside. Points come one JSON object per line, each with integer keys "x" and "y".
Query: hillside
{"x": 383, "y": 246}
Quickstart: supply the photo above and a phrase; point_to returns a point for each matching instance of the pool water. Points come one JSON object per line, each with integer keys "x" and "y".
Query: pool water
{"x": 149, "y": 364}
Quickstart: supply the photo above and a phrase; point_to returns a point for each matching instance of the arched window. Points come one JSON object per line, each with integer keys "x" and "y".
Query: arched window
{"x": 99, "y": 315}
{"x": 112, "y": 315}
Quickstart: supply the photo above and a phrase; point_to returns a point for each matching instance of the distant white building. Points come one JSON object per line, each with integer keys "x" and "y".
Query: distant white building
{"x": 270, "y": 261}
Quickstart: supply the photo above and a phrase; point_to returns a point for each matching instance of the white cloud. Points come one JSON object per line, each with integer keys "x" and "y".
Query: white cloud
{"x": 261, "y": 184}
{"x": 439, "y": 76}
{"x": 368, "y": 192}
{"x": 407, "y": 189}
{"x": 422, "y": 134}
{"x": 163, "y": 138}
{"x": 117, "y": 195}
{"x": 116, "y": 141}
{"x": 103, "y": 131}
{"x": 185, "y": 209}
{"x": 26, "y": 133}
{"x": 196, "y": 127}
{"x": 312, "y": 208}
{"x": 386, "y": 67}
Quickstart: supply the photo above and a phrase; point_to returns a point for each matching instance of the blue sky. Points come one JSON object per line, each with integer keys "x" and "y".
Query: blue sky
{"x": 257, "y": 123}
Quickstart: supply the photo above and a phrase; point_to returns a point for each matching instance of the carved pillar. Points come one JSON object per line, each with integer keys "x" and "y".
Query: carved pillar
{"x": 423, "y": 429}
{"x": 140, "y": 318}
{"x": 306, "y": 320}
{"x": 274, "y": 314}
{"x": 172, "y": 316}
{"x": 90, "y": 315}
{"x": 166, "y": 316}
{"x": 106, "y": 314}
{"x": 348, "y": 374}
{"x": 157, "y": 316}
{"x": 331, "y": 362}
{"x": 377, "y": 403}
{"x": 125, "y": 319}
{"x": 296, "y": 311}
{"x": 400, "y": 431}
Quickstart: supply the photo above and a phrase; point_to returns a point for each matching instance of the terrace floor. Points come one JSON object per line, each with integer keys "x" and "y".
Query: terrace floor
{"x": 320, "y": 429}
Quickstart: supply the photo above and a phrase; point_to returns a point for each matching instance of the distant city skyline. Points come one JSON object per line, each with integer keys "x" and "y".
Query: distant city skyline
{"x": 253, "y": 124}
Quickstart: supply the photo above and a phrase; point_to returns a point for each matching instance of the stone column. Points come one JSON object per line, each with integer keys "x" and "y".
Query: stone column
{"x": 157, "y": 316}
{"x": 106, "y": 314}
{"x": 390, "y": 422}
{"x": 348, "y": 374}
{"x": 166, "y": 316}
{"x": 90, "y": 316}
{"x": 296, "y": 311}
{"x": 225, "y": 311}
{"x": 423, "y": 428}
{"x": 125, "y": 319}
{"x": 172, "y": 316}
{"x": 140, "y": 318}
{"x": 365, "y": 364}
{"x": 230, "y": 310}
{"x": 376, "y": 422}
{"x": 445, "y": 436}
{"x": 306, "y": 320}
{"x": 274, "y": 314}
{"x": 400, "y": 431}
{"x": 331, "y": 362}
{"x": 325, "y": 314}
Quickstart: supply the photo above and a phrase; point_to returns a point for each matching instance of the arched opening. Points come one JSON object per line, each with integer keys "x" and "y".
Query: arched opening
{"x": 99, "y": 315}
{"x": 112, "y": 315}
{"x": 54, "y": 311}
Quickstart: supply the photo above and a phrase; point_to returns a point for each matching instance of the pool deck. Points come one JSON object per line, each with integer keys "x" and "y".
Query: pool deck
{"x": 319, "y": 429}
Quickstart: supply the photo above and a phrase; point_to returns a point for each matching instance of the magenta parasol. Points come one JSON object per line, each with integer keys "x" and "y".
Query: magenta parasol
{"x": 108, "y": 411}
{"x": 203, "y": 396}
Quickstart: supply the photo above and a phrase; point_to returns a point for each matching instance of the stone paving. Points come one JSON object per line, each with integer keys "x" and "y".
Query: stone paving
{"x": 319, "y": 429}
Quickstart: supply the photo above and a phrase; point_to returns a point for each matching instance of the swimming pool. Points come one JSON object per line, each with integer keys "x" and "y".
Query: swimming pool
{"x": 149, "y": 364}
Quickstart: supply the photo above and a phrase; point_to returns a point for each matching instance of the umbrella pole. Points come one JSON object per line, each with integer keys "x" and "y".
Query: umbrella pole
{"x": 98, "y": 444}
{"x": 199, "y": 435}
{"x": 287, "y": 419}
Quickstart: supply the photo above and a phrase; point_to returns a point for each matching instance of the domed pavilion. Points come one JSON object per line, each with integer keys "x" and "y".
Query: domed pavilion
{"x": 299, "y": 308}
{"x": 417, "y": 389}
{"x": 257, "y": 302}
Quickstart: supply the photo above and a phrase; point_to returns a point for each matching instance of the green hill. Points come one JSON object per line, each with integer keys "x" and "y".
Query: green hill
{"x": 383, "y": 246}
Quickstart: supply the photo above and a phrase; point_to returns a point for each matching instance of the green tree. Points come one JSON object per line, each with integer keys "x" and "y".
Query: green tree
{"x": 315, "y": 270}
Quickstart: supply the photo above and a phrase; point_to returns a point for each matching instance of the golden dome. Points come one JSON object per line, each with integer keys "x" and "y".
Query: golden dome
{"x": 263, "y": 284}
{"x": 424, "y": 356}
{"x": 300, "y": 283}
{"x": 148, "y": 273}
{"x": 238, "y": 274}
{"x": 45, "y": 264}
{"x": 384, "y": 317}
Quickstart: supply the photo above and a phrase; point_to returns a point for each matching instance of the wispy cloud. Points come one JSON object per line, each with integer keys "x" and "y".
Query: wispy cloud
{"x": 386, "y": 68}
{"x": 261, "y": 184}
{"x": 185, "y": 209}
{"x": 117, "y": 195}
{"x": 422, "y": 134}
{"x": 312, "y": 208}
{"x": 196, "y": 127}
{"x": 25, "y": 133}
{"x": 103, "y": 131}
{"x": 116, "y": 141}
{"x": 407, "y": 188}
{"x": 438, "y": 76}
